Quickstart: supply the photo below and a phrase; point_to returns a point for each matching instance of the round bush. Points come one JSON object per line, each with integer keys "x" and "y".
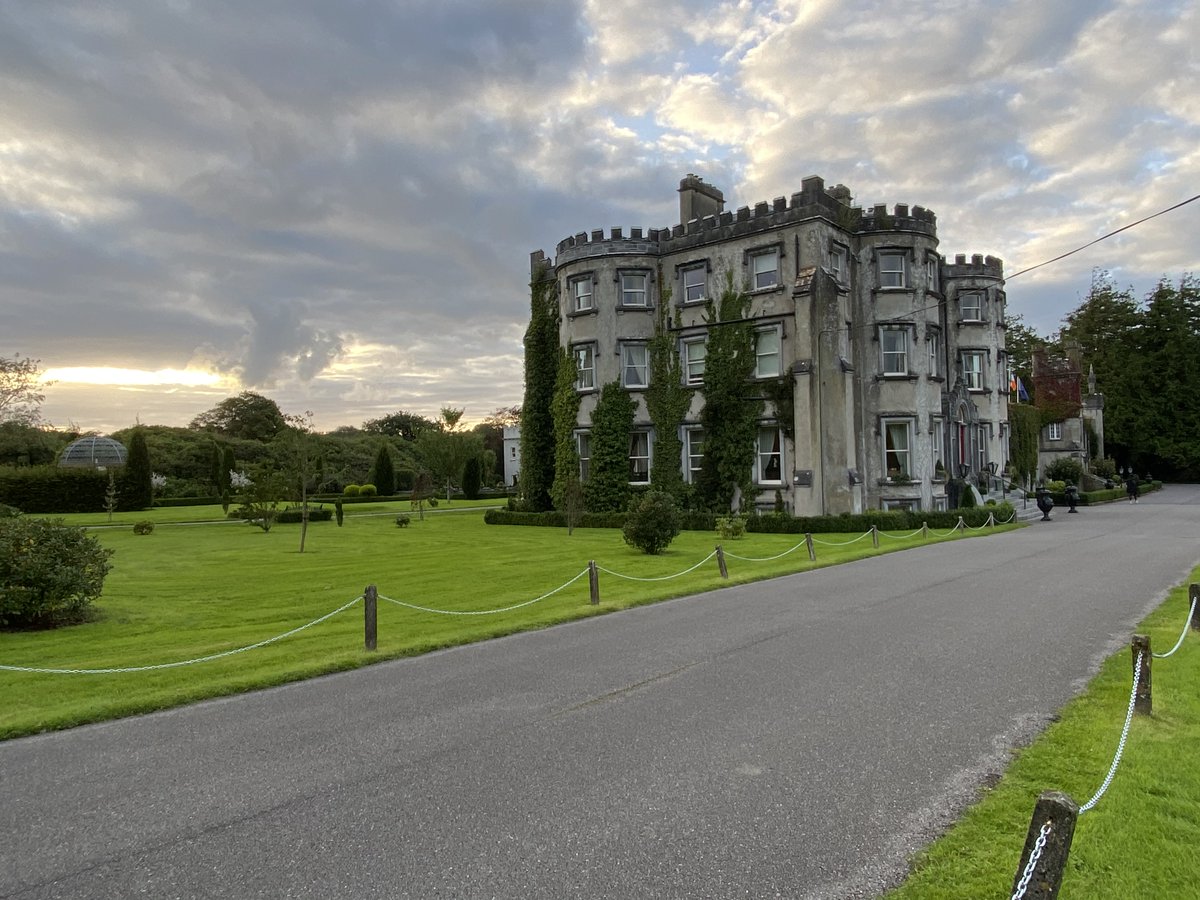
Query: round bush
{"x": 652, "y": 522}
{"x": 351, "y": 490}
{"x": 49, "y": 572}
{"x": 144, "y": 527}
{"x": 402, "y": 520}
{"x": 368, "y": 490}
{"x": 1064, "y": 469}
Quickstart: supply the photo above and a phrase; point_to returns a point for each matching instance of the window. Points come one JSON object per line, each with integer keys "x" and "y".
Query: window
{"x": 893, "y": 269}
{"x": 934, "y": 338}
{"x": 633, "y": 288}
{"x": 935, "y": 440}
{"x": 584, "y": 446}
{"x": 695, "y": 281}
{"x": 693, "y": 446}
{"x": 581, "y": 293}
{"x": 764, "y": 270}
{"x": 766, "y": 352}
{"x": 585, "y": 362}
{"x": 635, "y": 372}
{"x": 905, "y": 503}
{"x": 932, "y": 277}
{"x": 639, "y": 457}
{"x": 1054, "y": 431}
{"x": 973, "y": 369}
{"x": 694, "y": 351}
{"x": 769, "y": 469}
{"x": 982, "y": 436}
{"x": 897, "y": 448}
{"x": 839, "y": 262}
{"x": 970, "y": 306}
{"x": 894, "y": 343}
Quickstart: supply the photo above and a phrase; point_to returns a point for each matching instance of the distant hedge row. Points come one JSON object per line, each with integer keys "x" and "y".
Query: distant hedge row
{"x": 49, "y": 489}
{"x": 774, "y": 523}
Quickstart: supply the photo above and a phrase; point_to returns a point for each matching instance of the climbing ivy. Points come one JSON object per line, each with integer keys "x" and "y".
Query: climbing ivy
{"x": 1025, "y": 422}
{"x": 731, "y": 405}
{"x": 607, "y": 487}
{"x": 566, "y": 413}
{"x": 667, "y": 402}
{"x": 541, "y": 373}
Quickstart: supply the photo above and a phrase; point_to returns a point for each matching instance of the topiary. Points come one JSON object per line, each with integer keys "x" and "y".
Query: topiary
{"x": 368, "y": 490}
{"x": 652, "y": 522}
{"x": 351, "y": 490}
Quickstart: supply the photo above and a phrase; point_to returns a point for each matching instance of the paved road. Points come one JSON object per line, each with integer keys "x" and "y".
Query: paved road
{"x": 797, "y": 738}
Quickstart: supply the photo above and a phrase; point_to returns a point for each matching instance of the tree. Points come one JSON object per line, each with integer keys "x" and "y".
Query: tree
{"x": 652, "y": 523}
{"x": 731, "y": 408}
{"x": 566, "y": 414}
{"x": 248, "y": 415}
{"x": 136, "y": 490}
{"x": 383, "y": 473}
{"x": 667, "y": 402}
{"x": 399, "y": 424}
{"x": 472, "y": 478}
{"x": 20, "y": 397}
{"x": 260, "y": 494}
{"x": 1019, "y": 343}
{"x": 541, "y": 373}
{"x": 451, "y": 416}
{"x": 491, "y": 430}
{"x": 422, "y": 490}
{"x": 299, "y": 455}
{"x": 445, "y": 453}
{"x": 607, "y": 487}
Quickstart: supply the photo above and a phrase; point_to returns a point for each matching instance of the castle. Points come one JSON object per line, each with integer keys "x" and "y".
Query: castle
{"x": 896, "y": 355}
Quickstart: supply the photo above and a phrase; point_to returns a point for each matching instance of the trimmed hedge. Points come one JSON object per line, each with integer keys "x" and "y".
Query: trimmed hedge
{"x": 295, "y": 514}
{"x": 1087, "y": 498}
{"x": 49, "y": 489}
{"x": 771, "y": 523}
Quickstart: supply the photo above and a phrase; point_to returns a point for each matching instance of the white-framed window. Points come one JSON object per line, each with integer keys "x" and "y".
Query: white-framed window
{"x": 936, "y": 444}
{"x": 583, "y": 444}
{"x": 764, "y": 269}
{"x": 970, "y": 306}
{"x": 635, "y": 366}
{"x": 585, "y": 364}
{"x": 982, "y": 437}
{"x": 897, "y": 447}
{"x": 933, "y": 338}
{"x": 1054, "y": 431}
{"x": 639, "y": 457}
{"x": 767, "y": 353}
{"x": 769, "y": 466}
{"x": 933, "y": 281}
{"x": 839, "y": 262}
{"x": 580, "y": 288}
{"x": 693, "y": 449}
{"x": 695, "y": 284}
{"x": 633, "y": 288}
{"x": 911, "y": 504}
{"x": 940, "y": 504}
{"x": 973, "y": 369}
{"x": 694, "y": 351}
{"x": 893, "y": 269}
{"x": 893, "y": 342}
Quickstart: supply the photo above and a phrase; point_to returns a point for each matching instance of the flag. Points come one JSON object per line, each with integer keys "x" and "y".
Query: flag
{"x": 1022, "y": 394}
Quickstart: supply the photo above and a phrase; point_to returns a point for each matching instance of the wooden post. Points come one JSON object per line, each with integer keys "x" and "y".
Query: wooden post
{"x": 812, "y": 554}
{"x": 1194, "y": 597}
{"x": 1059, "y": 811}
{"x": 370, "y": 620}
{"x": 961, "y": 524}
{"x": 875, "y": 537}
{"x": 1142, "y": 701}
{"x": 991, "y": 520}
{"x": 721, "y": 562}
{"x": 924, "y": 529}
{"x": 594, "y": 582}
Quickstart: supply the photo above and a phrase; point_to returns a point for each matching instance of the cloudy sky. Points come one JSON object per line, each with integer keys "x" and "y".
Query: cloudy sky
{"x": 333, "y": 203}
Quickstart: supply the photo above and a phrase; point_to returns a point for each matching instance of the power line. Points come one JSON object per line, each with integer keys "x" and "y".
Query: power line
{"x": 1104, "y": 238}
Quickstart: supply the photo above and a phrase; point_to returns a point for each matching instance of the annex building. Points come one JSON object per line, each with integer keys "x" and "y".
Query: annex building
{"x": 897, "y": 354}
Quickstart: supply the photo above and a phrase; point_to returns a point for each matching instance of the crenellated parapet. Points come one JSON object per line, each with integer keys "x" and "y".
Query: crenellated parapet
{"x": 813, "y": 200}
{"x": 980, "y": 266}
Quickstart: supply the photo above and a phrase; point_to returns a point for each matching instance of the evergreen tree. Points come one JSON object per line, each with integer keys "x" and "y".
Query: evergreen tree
{"x": 607, "y": 487}
{"x": 667, "y": 402}
{"x": 472, "y": 478}
{"x": 383, "y": 473}
{"x": 541, "y": 374}
{"x": 731, "y": 405}
{"x": 228, "y": 467}
{"x": 566, "y": 413}
{"x": 136, "y": 491}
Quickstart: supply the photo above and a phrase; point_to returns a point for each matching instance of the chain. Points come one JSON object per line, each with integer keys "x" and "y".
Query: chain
{"x": 765, "y": 558}
{"x": 660, "y": 577}
{"x": 484, "y": 612}
{"x": 1112, "y": 770}
{"x": 1187, "y": 623}
{"x": 1038, "y": 846}
{"x": 842, "y": 543}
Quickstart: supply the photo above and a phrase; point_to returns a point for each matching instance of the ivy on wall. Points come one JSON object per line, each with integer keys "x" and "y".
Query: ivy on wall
{"x": 541, "y": 375}
{"x": 667, "y": 402}
{"x": 607, "y": 487}
{"x": 566, "y": 414}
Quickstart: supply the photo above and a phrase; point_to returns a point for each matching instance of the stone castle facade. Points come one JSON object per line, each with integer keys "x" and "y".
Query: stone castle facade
{"x": 897, "y": 355}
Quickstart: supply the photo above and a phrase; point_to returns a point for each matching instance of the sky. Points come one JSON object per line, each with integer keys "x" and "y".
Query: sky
{"x": 333, "y": 204}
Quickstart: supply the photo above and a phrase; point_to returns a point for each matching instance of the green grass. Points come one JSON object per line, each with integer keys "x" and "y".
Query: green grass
{"x": 1141, "y": 839}
{"x": 188, "y": 591}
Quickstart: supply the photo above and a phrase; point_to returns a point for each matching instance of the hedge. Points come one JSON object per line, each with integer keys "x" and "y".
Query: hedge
{"x": 1107, "y": 495}
{"x": 49, "y": 489}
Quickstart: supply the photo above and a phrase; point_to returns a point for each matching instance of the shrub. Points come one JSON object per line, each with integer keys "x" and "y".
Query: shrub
{"x": 967, "y": 500}
{"x": 144, "y": 527}
{"x": 433, "y": 501}
{"x": 368, "y": 490}
{"x": 731, "y": 527}
{"x": 1064, "y": 469}
{"x": 49, "y": 572}
{"x": 1056, "y": 487}
{"x": 402, "y": 520}
{"x": 49, "y": 489}
{"x": 294, "y": 514}
{"x": 1104, "y": 468}
{"x": 652, "y": 522}
{"x": 351, "y": 490}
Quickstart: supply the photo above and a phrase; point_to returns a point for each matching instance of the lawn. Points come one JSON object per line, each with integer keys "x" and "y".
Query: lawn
{"x": 192, "y": 590}
{"x": 1140, "y": 839}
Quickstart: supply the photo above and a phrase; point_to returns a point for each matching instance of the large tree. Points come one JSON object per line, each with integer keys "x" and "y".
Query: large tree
{"x": 541, "y": 373}
{"x": 248, "y": 415}
{"x": 399, "y": 424}
{"x": 20, "y": 394}
{"x": 383, "y": 473}
{"x": 135, "y": 489}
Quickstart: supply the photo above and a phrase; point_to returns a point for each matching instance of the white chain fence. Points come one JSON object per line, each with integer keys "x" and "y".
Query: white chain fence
{"x": 1036, "y": 854}
{"x": 1112, "y": 770}
{"x": 1187, "y": 623}
{"x": 686, "y": 571}
{"x": 484, "y": 612}
{"x": 767, "y": 558}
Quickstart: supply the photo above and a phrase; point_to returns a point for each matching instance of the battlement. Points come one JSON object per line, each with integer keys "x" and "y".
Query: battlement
{"x": 813, "y": 200}
{"x": 980, "y": 266}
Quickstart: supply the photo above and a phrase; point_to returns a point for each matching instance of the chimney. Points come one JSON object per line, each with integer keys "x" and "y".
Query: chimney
{"x": 697, "y": 199}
